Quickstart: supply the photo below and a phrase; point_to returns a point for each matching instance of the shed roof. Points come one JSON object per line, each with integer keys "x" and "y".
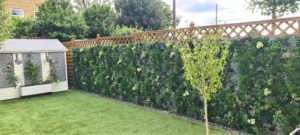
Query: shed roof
{"x": 31, "y": 45}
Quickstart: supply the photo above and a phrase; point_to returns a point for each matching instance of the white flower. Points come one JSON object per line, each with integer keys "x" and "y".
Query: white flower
{"x": 139, "y": 69}
{"x": 143, "y": 55}
{"x": 295, "y": 97}
{"x": 172, "y": 54}
{"x": 286, "y": 55}
{"x": 101, "y": 53}
{"x": 186, "y": 93}
{"x": 120, "y": 61}
{"x": 251, "y": 121}
{"x": 250, "y": 66}
{"x": 267, "y": 92}
{"x": 135, "y": 87}
{"x": 259, "y": 45}
{"x": 269, "y": 82}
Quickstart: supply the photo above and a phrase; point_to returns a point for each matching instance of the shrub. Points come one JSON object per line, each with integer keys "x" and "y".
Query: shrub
{"x": 261, "y": 94}
{"x": 24, "y": 28}
{"x": 123, "y": 30}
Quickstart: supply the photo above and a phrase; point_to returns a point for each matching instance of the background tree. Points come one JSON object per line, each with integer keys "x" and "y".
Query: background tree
{"x": 4, "y": 22}
{"x": 274, "y": 8}
{"x": 57, "y": 19}
{"x": 204, "y": 64}
{"x": 81, "y": 5}
{"x": 145, "y": 14}
{"x": 100, "y": 20}
{"x": 23, "y": 27}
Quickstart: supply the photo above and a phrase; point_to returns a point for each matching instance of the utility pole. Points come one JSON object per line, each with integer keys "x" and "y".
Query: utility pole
{"x": 216, "y": 14}
{"x": 174, "y": 14}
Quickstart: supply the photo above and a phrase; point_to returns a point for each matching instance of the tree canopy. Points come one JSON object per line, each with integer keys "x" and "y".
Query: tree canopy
{"x": 274, "y": 8}
{"x": 58, "y": 19}
{"x": 100, "y": 20}
{"x": 23, "y": 27}
{"x": 145, "y": 14}
{"x": 81, "y": 5}
{"x": 4, "y": 22}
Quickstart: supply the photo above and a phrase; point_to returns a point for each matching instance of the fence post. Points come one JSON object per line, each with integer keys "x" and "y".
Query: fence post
{"x": 73, "y": 43}
{"x": 98, "y": 39}
{"x": 70, "y": 61}
{"x": 134, "y": 38}
{"x": 192, "y": 29}
{"x": 298, "y": 30}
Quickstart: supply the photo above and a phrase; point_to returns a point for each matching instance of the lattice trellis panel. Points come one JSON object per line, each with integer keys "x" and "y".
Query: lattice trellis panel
{"x": 58, "y": 63}
{"x": 120, "y": 40}
{"x": 6, "y": 61}
{"x": 36, "y": 59}
{"x": 235, "y": 30}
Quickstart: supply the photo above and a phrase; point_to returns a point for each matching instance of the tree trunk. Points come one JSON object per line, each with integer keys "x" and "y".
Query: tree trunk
{"x": 274, "y": 16}
{"x": 206, "y": 116}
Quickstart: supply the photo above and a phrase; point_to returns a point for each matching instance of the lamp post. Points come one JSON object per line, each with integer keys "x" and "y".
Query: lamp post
{"x": 216, "y": 14}
{"x": 174, "y": 14}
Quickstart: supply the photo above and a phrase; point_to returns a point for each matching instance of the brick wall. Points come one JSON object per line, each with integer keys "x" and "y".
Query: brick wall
{"x": 29, "y": 6}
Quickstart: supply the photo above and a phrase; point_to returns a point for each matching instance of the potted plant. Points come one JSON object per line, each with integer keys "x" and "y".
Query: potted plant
{"x": 32, "y": 73}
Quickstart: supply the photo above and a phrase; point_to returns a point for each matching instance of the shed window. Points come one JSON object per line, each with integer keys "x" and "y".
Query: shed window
{"x": 17, "y": 12}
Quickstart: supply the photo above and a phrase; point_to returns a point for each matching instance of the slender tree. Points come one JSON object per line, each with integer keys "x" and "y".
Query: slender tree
{"x": 204, "y": 62}
{"x": 274, "y": 8}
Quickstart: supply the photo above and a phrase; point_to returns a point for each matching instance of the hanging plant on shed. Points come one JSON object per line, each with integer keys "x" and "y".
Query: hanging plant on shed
{"x": 11, "y": 76}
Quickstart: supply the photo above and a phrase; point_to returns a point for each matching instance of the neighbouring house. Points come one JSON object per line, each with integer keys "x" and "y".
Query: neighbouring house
{"x": 47, "y": 58}
{"x": 23, "y": 8}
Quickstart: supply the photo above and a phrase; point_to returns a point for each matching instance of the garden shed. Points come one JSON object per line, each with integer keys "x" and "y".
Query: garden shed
{"x": 32, "y": 66}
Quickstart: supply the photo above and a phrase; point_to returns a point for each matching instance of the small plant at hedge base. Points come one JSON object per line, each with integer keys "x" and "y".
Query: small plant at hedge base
{"x": 32, "y": 72}
{"x": 204, "y": 64}
{"x": 11, "y": 77}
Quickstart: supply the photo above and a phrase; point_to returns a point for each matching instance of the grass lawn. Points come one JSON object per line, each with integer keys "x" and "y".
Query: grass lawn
{"x": 82, "y": 113}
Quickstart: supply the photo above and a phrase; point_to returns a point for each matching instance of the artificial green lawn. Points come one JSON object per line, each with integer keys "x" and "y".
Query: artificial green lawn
{"x": 82, "y": 113}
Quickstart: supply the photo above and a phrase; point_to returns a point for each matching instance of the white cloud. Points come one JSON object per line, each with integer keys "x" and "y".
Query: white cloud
{"x": 230, "y": 11}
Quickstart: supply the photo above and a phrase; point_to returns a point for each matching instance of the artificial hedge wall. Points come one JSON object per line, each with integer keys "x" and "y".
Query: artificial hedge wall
{"x": 261, "y": 91}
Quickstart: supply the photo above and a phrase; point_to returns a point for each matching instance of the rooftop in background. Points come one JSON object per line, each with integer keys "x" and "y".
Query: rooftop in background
{"x": 32, "y": 45}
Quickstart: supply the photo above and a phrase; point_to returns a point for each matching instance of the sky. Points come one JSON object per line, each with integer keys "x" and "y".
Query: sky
{"x": 202, "y": 12}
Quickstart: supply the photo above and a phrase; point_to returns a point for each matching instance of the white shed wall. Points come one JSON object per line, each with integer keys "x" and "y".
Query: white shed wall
{"x": 12, "y": 93}
{"x": 9, "y": 93}
{"x": 45, "y": 66}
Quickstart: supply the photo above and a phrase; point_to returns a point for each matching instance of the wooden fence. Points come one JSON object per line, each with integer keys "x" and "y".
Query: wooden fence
{"x": 272, "y": 27}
